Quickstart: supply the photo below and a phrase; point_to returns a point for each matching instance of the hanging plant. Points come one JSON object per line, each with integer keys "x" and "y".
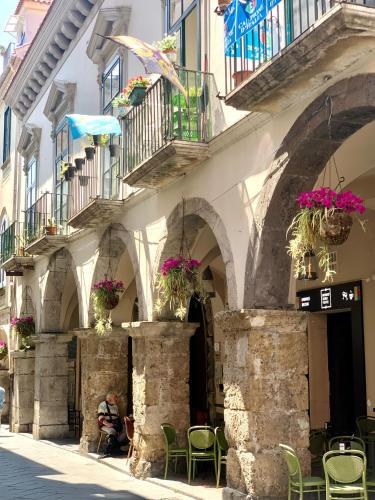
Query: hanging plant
{"x": 3, "y": 350}
{"x": 105, "y": 297}
{"x": 324, "y": 218}
{"x": 176, "y": 282}
{"x": 24, "y": 326}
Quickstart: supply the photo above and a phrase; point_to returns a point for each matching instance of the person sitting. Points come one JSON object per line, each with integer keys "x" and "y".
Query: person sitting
{"x": 109, "y": 421}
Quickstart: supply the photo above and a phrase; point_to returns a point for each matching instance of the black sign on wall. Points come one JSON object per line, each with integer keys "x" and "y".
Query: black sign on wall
{"x": 344, "y": 296}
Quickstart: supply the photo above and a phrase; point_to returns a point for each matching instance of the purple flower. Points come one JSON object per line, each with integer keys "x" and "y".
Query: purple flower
{"x": 325, "y": 197}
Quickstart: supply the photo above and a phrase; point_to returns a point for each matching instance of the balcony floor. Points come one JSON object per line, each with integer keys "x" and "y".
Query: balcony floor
{"x": 341, "y": 38}
{"x": 17, "y": 263}
{"x": 98, "y": 211}
{"x": 47, "y": 244}
{"x": 175, "y": 159}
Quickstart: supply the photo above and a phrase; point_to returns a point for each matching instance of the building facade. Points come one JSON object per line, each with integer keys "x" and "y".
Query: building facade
{"x": 291, "y": 101}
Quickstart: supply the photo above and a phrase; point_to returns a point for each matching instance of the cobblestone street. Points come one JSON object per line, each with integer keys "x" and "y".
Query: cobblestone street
{"x": 37, "y": 470}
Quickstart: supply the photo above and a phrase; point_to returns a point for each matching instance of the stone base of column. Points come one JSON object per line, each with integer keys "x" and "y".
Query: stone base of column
{"x": 22, "y": 411}
{"x": 4, "y": 382}
{"x": 160, "y": 389}
{"x": 266, "y": 399}
{"x": 51, "y": 386}
{"x": 104, "y": 367}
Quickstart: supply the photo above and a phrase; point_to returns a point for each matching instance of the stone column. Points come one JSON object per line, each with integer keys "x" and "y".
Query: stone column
{"x": 51, "y": 386}
{"x": 23, "y": 391}
{"x": 160, "y": 389}
{"x": 104, "y": 367}
{"x": 266, "y": 399}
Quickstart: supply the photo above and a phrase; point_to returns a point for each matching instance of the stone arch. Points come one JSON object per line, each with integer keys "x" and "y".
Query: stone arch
{"x": 60, "y": 264}
{"x": 297, "y": 164}
{"x": 114, "y": 242}
{"x": 197, "y": 212}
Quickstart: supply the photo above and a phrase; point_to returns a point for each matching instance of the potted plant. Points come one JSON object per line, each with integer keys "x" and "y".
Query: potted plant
{"x": 240, "y": 76}
{"x": 51, "y": 227}
{"x": 105, "y": 297}
{"x": 103, "y": 140}
{"x": 136, "y": 89}
{"x": 21, "y": 244}
{"x": 324, "y": 218}
{"x": 66, "y": 170}
{"x": 114, "y": 150}
{"x": 3, "y": 349}
{"x": 121, "y": 103}
{"x": 168, "y": 45}
{"x": 79, "y": 162}
{"x": 90, "y": 149}
{"x": 23, "y": 326}
{"x": 176, "y": 282}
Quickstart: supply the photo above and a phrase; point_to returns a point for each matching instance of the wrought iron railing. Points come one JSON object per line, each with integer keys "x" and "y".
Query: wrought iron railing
{"x": 165, "y": 115}
{"x": 47, "y": 216}
{"x": 284, "y": 23}
{"x": 99, "y": 178}
{"x": 12, "y": 242}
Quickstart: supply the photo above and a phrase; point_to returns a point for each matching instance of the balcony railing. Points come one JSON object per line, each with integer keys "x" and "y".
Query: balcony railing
{"x": 12, "y": 242}
{"x": 47, "y": 217}
{"x": 284, "y": 23}
{"x": 164, "y": 116}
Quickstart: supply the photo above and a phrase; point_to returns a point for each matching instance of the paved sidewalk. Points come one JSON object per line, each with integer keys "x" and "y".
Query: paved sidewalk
{"x": 36, "y": 470}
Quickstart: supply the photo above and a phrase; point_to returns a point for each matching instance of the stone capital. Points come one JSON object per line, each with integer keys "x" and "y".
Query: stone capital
{"x": 284, "y": 321}
{"x": 60, "y": 338}
{"x": 22, "y": 354}
{"x": 84, "y": 333}
{"x": 154, "y": 329}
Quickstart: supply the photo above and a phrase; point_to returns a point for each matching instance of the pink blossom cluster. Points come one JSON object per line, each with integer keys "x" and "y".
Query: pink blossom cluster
{"x": 111, "y": 286}
{"x": 178, "y": 263}
{"x": 22, "y": 319}
{"x": 327, "y": 198}
{"x": 3, "y": 345}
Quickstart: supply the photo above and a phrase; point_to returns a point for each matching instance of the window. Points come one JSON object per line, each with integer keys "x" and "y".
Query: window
{"x": 31, "y": 183}
{"x": 111, "y": 84}
{"x": 111, "y": 87}
{"x": 62, "y": 152}
{"x": 3, "y": 227}
{"x": 183, "y": 19}
{"x": 7, "y": 133}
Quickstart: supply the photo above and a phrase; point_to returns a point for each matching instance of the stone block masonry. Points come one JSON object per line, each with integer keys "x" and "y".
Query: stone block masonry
{"x": 266, "y": 399}
{"x": 22, "y": 412}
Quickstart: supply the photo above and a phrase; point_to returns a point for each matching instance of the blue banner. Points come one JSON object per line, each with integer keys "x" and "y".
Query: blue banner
{"x": 271, "y": 4}
{"x": 241, "y": 16}
{"x": 257, "y": 48}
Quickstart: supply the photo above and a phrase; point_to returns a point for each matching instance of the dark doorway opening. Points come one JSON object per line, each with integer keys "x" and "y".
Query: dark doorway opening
{"x": 340, "y": 367}
{"x": 198, "y": 380}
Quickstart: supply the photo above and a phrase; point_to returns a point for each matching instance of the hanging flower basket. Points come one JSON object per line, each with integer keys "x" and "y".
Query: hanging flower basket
{"x": 136, "y": 90}
{"x": 114, "y": 150}
{"x": 137, "y": 95}
{"x": 3, "y": 350}
{"x": 90, "y": 152}
{"x": 105, "y": 296}
{"x": 23, "y": 326}
{"x": 79, "y": 162}
{"x": 324, "y": 218}
{"x": 177, "y": 281}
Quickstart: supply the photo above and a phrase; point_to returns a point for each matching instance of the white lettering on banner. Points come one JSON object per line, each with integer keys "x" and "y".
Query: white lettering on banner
{"x": 325, "y": 298}
{"x": 347, "y": 295}
{"x": 305, "y": 301}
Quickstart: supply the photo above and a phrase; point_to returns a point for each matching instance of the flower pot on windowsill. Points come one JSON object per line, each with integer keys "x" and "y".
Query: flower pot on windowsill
{"x": 137, "y": 95}
{"x": 79, "y": 162}
{"x": 241, "y": 76}
{"x": 90, "y": 153}
{"x": 114, "y": 150}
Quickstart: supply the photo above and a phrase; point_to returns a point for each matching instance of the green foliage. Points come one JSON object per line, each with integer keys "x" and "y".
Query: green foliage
{"x": 103, "y": 322}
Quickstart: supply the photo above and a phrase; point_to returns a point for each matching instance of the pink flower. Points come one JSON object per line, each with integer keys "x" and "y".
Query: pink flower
{"x": 325, "y": 197}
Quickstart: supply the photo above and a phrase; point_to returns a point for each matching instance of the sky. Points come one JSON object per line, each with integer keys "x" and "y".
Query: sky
{"x": 7, "y": 7}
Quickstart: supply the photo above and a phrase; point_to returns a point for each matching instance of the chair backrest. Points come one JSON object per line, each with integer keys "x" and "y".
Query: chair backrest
{"x": 129, "y": 427}
{"x": 344, "y": 467}
{"x": 294, "y": 468}
{"x": 317, "y": 444}
{"x": 365, "y": 425}
{"x": 354, "y": 442}
{"x": 201, "y": 437}
{"x": 220, "y": 439}
{"x": 169, "y": 434}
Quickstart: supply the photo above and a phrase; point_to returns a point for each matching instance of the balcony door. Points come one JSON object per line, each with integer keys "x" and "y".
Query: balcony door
{"x": 62, "y": 154}
{"x": 183, "y": 18}
{"x": 32, "y": 219}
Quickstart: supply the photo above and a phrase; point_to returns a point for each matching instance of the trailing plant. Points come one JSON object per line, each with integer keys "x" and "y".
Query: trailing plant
{"x": 3, "y": 349}
{"x": 105, "y": 296}
{"x": 103, "y": 140}
{"x": 319, "y": 212}
{"x": 64, "y": 168}
{"x": 122, "y": 99}
{"x": 176, "y": 282}
{"x": 138, "y": 81}
{"x": 24, "y": 326}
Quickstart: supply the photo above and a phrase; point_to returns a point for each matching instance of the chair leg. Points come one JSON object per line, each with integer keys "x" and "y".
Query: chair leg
{"x": 130, "y": 450}
{"x": 318, "y": 492}
{"x": 194, "y": 468}
{"x": 218, "y": 474}
{"x": 100, "y": 442}
{"x": 215, "y": 465}
{"x": 175, "y": 464}
{"x": 166, "y": 465}
{"x": 289, "y": 492}
{"x": 189, "y": 470}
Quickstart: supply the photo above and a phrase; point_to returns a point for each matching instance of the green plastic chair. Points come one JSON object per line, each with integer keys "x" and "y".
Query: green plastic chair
{"x": 222, "y": 449}
{"x": 354, "y": 442}
{"x": 172, "y": 450}
{"x": 296, "y": 482}
{"x": 366, "y": 428}
{"x": 317, "y": 447}
{"x": 202, "y": 447}
{"x": 345, "y": 473}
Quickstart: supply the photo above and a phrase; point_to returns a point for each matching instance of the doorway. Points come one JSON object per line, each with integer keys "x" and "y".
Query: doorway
{"x": 340, "y": 368}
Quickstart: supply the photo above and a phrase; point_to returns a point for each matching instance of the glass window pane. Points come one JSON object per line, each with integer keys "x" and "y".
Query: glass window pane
{"x": 187, "y": 4}
{"x": 107, "y": 90}
{"x": 64, "y": 139}
{"x": 116, "y": 79}
{"x": 175, "y": 11}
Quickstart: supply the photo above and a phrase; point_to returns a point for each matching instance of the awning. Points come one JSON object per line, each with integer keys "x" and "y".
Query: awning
{"x": 81, "y": 125}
